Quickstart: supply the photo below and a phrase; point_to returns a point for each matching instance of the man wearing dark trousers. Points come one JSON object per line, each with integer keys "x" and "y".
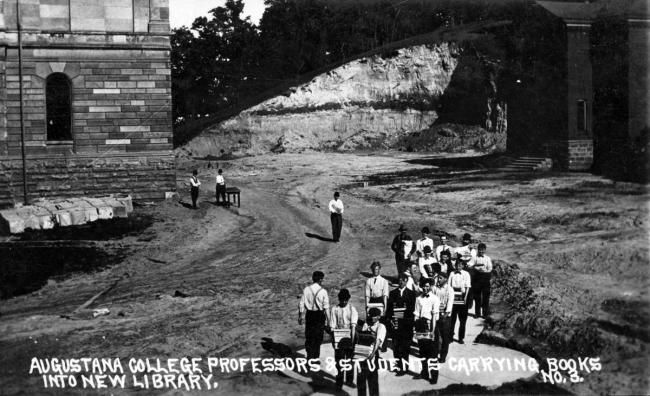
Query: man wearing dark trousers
{"x": 369, "y": 374}
{"x": 194, "y": 190}
{"x": 460, "y": 281}
{"x": 336, "y": 216}
{"x": 443, "y": 331}
{"x": 403, "y": 247}
{"x": 344, "y": 316}
{"x": 221, "y": 188}
{"x": 482, "y": 267}
{"x": 314, "y": 305}
{"x": 402, "y": 329}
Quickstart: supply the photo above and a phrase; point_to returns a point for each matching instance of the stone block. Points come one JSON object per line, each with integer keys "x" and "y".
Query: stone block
{"x": 63, "y": 218}
{"x": 11, "y": 222}
{"x": 126, "y": 201}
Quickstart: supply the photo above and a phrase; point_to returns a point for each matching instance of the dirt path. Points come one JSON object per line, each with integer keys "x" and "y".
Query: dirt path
{"x": 239, "y": 272}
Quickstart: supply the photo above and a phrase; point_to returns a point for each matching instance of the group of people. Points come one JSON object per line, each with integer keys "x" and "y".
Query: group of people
{"x": 436, "y": 288}
{"x": 220, "y": 188}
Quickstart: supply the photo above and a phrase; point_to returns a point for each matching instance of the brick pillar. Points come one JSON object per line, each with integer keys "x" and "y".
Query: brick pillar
{"x": 638, "y": 77}
{"x": 579, "y": 146}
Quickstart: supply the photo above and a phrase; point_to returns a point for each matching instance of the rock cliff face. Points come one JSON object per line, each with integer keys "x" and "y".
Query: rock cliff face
{"x": 375, "y": 102}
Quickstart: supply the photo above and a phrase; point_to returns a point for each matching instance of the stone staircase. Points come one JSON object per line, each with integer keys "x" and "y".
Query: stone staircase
{"x": 529, "y": 164}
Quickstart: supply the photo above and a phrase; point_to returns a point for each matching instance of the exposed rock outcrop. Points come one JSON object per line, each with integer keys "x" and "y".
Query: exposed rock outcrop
{"x": 377, "y": 102}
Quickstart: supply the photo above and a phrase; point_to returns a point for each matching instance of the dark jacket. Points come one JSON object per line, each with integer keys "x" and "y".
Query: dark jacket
{"x": 407, "y": 300}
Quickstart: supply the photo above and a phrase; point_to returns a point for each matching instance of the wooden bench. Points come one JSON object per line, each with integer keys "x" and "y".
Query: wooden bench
{"x": 235, "y": 192}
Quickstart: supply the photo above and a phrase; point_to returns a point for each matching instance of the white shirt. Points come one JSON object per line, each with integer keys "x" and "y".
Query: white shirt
{"x": 460, "y": 280}
{"x": 481, "y": 264}
{"x": 410, "y": 284}
{"x": 422, "y": 261}
{"x": 377, "y": 287}
{"x": 465, "y": 250}
{"x": 194, "y": 181}
{"x": 421, "y": 243}
{"x": 221, "y": 180}
{"x": 336, "y": 206}
{"x": 378, "y": 330}
{"x": 343, "y": 318}
{"x": 445, "y": 296}
{"x": 408, "y": 245}
{"x": 314, "y": 298}
{"x": 427, "y": 307}
{"x": 440, "y": 248}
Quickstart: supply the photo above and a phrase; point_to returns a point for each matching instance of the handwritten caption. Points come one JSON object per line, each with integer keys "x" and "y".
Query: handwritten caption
{"x": 199, "y": 373}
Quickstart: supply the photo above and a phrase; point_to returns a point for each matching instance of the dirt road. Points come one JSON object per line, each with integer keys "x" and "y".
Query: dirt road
{"x": 237, "y": 274}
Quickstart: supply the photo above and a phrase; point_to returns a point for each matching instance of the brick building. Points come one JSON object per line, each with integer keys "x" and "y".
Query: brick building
{"x": 576, "y": 150}
{"x": 96, "y": 95}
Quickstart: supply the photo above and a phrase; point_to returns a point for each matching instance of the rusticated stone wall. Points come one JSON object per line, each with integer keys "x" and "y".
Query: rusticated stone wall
{"x": 115, "y": 54}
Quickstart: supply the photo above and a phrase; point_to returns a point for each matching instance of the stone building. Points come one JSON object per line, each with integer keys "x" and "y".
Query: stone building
{"x": 576, "y": 149}
{"x": 96, "y": 98}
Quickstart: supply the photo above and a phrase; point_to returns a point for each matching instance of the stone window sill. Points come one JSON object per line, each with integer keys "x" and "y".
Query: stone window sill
{"x": 59, "y": 142}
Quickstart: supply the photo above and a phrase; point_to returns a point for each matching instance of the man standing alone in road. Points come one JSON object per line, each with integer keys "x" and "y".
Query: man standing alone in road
{"x": 336, "y": 216}
{"x": 314, "y": 305}
{"x": 221, "y": 188}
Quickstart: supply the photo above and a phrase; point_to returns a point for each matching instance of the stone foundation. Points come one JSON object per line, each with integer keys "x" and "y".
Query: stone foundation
{"x": 142, "y": 175}
{"x": 572, "y": 155}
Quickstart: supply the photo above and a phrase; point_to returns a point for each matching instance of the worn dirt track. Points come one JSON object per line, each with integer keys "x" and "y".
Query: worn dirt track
{"x": 243, "y": 269}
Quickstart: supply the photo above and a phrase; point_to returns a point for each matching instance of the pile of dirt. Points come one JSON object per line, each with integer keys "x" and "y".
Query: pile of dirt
{"x": 454, "y": 138}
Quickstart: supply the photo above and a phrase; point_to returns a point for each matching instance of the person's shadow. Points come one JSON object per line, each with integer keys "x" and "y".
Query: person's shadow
{"x": 187, "y": 205}
{"x": 319, "y": 237}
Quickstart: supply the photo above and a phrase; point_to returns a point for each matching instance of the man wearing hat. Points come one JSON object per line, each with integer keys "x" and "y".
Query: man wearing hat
{"x": 369, "y": 375}
{"x": 376, "y": 287}
{"x": 425, "y": 314}
{"x": 424, "y": 241}
{"x": 442, "y": 247}
{"x": 466, "y": 249}
{"x": 481, "y": 265}
{"x": 344, "y": 316}
{"x": 314, "y": 305}
{"x": 460, "y": 281}
{"x": 445, "y": 295}
{"x": 425, "y": 263}
{"x": 403, "y": 247}
{"x": 404, "y": 298}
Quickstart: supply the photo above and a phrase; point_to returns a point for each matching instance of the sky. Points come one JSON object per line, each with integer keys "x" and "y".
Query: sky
{"x": 183, "y": 12}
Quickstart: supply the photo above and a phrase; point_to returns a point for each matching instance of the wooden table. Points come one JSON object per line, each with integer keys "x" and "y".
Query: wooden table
{"x": 235, "y": 192}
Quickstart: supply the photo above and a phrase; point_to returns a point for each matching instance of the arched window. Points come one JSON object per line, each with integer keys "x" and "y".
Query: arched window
{"x": 58, "y": 98}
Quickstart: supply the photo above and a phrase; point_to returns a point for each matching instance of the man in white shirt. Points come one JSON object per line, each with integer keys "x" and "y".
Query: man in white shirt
{"x": 426, "y": 261}
{"x": 427, "y": 308}
{"x": 442, "y": 247}
{"x": 336, "y": 216}
{"x": 369, "y": 379}
{"x": 445, "y": 295}
{"x": 460, "y": 281}
{"x": 424, "y": 241}
{"x": 481, "y": 265}
{"x": 376, "y": 287}
{"x": 314, "y": 305}
{"x": 221, "y": 188}
{"x": 194, "y": 187}
{"x": 344, "y": 316}
{"x": 466, "y": 249}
